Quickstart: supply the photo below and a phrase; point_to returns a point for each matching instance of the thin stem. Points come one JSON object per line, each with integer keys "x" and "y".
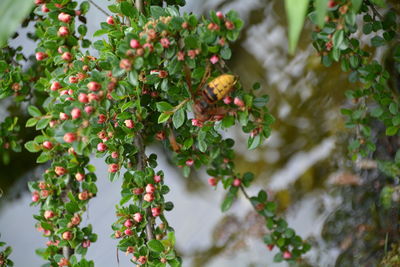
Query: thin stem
{"x": 99, "y": 8}
{"x": 245, "y": 193}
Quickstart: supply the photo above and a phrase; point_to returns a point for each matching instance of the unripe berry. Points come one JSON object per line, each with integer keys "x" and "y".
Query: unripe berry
{"x": 86, "y": 243}
{"x": 76, "y": 219}
{"x": 212, "y": 181}
{"x": 48, "y": 214}
{"x": 88, "y": 109}
{"x": 129, "y": 124}
{"x": 150, "y": 188}
{"x": 101, "y": 147}
{"x": 73, "y": 79}
{"x": 40, "y": 56}
{"x": 117, "y": 234}
{"x": 110, "y": 20}
{"x": 238, "y": 102}
{"x": 220, "y": 15}
{"x": 69, "y": 137}
{"x": 189, "y": 162}
{"x": 83, "y": 98}
{"x": 47, "y": 145}
{"x": 63, "y": 116}
{"x": 164, "y": 42}
{"x": 130, "y": 250}
{"x": 94, "y": 86}
{"x": 180, "y": 56}
{"x": 197, "y": 123}
{"x": 149, "y": 197}
{"x": 64, "y": 17}
{"x": 35, "y": 196}
{"x": 287, "y": 255}
{"x": 67, "y": 235}
{"x": 137, "y": 191}
{"x": 67, "y": 56}
{"x": 128, "y": 232}
{"x": 331, "y": 4}
{"x": 93, "y": 97}
{"x": 102, "y": 119}
{"x": 84, "y": 195}
{"x": 113, "y": 167}
{"x": 236, "y": 182}
{"x": 60, "y": 170}
{"x": 157, "y": 178}
{"x": 63, "y": 31}
{"x": 55, "y": 86}
{"x": 149, "y": 46}
{"x": 114, "y": 155}
{"x": 44, "y": 193}
{"x": 44, "y": 8}
{"x": 156, "y": 211}
{"x": 125, "y": 64}
{"x": 63, "y": 262}
{"x": 134, "y": 43}
{"x": 142, "y": 259}
{"x": 137, "y": 217}
{"x": 128, "y": 223}
{"x": 75, "y": 113}
{"x": 79, "y": 177}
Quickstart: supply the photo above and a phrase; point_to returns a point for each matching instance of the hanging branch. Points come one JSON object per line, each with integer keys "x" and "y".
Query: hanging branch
{"x": 99, "y": 8}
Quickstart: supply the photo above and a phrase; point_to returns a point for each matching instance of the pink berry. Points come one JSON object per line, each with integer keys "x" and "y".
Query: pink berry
{"x": 60, "y": 170}
{"x": 197, "y": 123}
{"x": 75, "y": 113}
{"x": 149, "y": 46}
{"x": 236, "y": 182}
{"x": 180, "y": 56}
{"x": 38, "y": 2}
{"x": 228, "y": 100}
{"x": 150, "y": 188}
{"x": 214, "y": 59}
{"x": 47, "y": 145}
{"x": 331, "y": 4}
{"x": 238, "y": 102}
{"x": 137, "y": 191}
{"x": 156, "y": 211}
{"x": 86, "y": 243}
{"x": 113, "y": 167}
{"x": 44, "y": 8}
{"x": 114, "y": 155}
{"x": 83, "y": 98}
{"x": 67, "y": 56}
{"x": 63, "y": 116}
{"x": 64, "y": 17}
{"x": 84, "y": 195}
{"x": 73, "y": 79}
{"x": 93, "y": 97}
{"x": 35, "y": 196}
{"x": 142, "y": 259}
{"x": 270, "y": 247}
{"x": 69, "y": 137}
{"x": 189, "y": 162}
{"x": 212, "y": 181}
{"x": 128, "y": 223}
{"x": 129, "y": 124}
{"x": 149, "y": 197}
{"x": 88, "y": 109}
{"x": 40, "y": 56}
{"x": 102, "y": 119}
{"x": 287, "y": 255}
{"x": 110, "y": 20}
{"x": 164, "y": 42}
{"x": 101, "y": 147}
{"x": 48, "y": 214}
{"x": 134, "y": 43}
{"x": 157, "y": 178}
{"x": 220, "y": 15}
{"x": 128, "y": 232}
{"x": 76, "y": 219}
{"x": 67, "y": 235}
{"x": 137, "y": 217}
{"x": 79, "y": 177}
{"x": 63, "y": 31}
{"x": 94, "y": 86}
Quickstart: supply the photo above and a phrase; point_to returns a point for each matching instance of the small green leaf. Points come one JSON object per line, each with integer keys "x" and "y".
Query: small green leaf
{"x": 164, "y": 106}
{"x": 392, "y": 130}
{"x": 155, "y": 246}
{"x": 31, "y": 122}
{"x": 44, "y": 157}
{"x": 163, "y": 117}
{"x": 32, "y": 146}
{"x": 34, "y": 111}
{"x": 128, "y": 9}
{"x": 295, "y": 11}
{"x": 178, "y": 118}
{"x": 42, "y": 123}
{"x": 254, "y": 142}
{"x": 338, "y": 38}
{"x": 227, "y": 203}
{"x": 355, "y": 5}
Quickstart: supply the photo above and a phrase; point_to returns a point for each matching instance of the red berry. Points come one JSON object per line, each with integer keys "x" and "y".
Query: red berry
{"x": 64, "y": 17}
{"x": 220, "y": 15}
{"x": 212, "y": 181}
{"x": 63, "y": 31}
{"x": 83, "y": 98}
{"x": 149, "y": 197}
{"x": 137, "y": 191}
{"x": 129, "y": 124}
{"x": 35, "y": 196}
{"x": 40, "y": 56}
{"x": 229, "y": 25}
{"x": 189, "y": 162}
{"x": 38, "y": 2}
{"x": 67, "y": 56}
{"x": 134, "y": 43}
{"x": 110, "y": 20}
{"x": 128, "y": 232}
{"x": 73, "y": 79}
{"x": 113, "y": 167}
{"x": 157, "y": 178}
{"x": 48, "y": 214}
{"x": 228, "y": 100}
{"x": 86, "y": 243}
{"x": 88, "y": 109}
{"x": 128, "y": 223}
{"x": 270, "y": 247}
{"x": 164, "y": 42}
{"x": 331, "y": 4}
{"x": 67, "y": 235}
{"x": 156, "y": 211}
{"x": 150, "y": 188}
{"x": 75, "y": 113}
{"x": 236, "y": 182}
{"x": 101, "y": 147}
{"x": 44, "y": 8}
{"x": 197, "y": 123}
{"x": 102, "y": 119}
{"x": 47, "y": 145}
{"x": 79, "y": 177}
{"x": 69, "y": 137}
{"x": 60, "y": 170}
{"x": 94, "y": 86}
{"x": 55, "y": 86}
{"x": 137, "y": 217}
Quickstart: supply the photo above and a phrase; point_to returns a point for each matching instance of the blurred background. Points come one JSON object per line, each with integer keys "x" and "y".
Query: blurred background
{"x": 304, "y": 166}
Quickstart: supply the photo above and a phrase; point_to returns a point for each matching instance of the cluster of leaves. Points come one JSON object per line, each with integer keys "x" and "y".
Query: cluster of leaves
{"x": 9, "y": 140}
{"x": 4, "y": 254}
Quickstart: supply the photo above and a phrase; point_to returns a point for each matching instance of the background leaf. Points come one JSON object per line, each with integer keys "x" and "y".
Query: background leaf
{"x": 295, "y": 12}
{"x": 321, "y": 6}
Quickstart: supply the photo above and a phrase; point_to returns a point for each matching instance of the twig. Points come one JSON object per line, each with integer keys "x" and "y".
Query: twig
{"x": 99, "y": 8}
{"x": 245, "y": 193}
{"x": 139, "y": 5}
{"x": 376, "y": 13}
{"x": 141, "y": 164}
